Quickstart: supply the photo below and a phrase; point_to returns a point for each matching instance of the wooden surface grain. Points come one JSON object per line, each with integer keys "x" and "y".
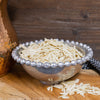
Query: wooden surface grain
{"x": 77, "y": 20}
{"x": 18, "y": 85}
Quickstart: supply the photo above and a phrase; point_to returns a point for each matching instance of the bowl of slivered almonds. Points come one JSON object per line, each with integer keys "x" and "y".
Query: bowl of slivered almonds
{"x": 52, "y": 60}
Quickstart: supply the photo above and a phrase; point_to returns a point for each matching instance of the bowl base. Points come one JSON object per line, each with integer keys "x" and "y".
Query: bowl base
{"x": 46, "y": 83}
{"x": 49, "y": 83}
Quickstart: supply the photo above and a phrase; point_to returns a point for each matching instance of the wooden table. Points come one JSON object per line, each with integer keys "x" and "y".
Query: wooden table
{"x": 18, "y": 85}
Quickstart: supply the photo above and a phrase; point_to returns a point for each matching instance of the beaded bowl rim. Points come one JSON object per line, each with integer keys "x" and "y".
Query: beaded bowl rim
{"x": 84, "y": 47}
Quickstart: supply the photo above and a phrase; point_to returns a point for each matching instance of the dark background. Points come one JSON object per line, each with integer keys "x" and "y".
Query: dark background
{"x": 77, "y": 20}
